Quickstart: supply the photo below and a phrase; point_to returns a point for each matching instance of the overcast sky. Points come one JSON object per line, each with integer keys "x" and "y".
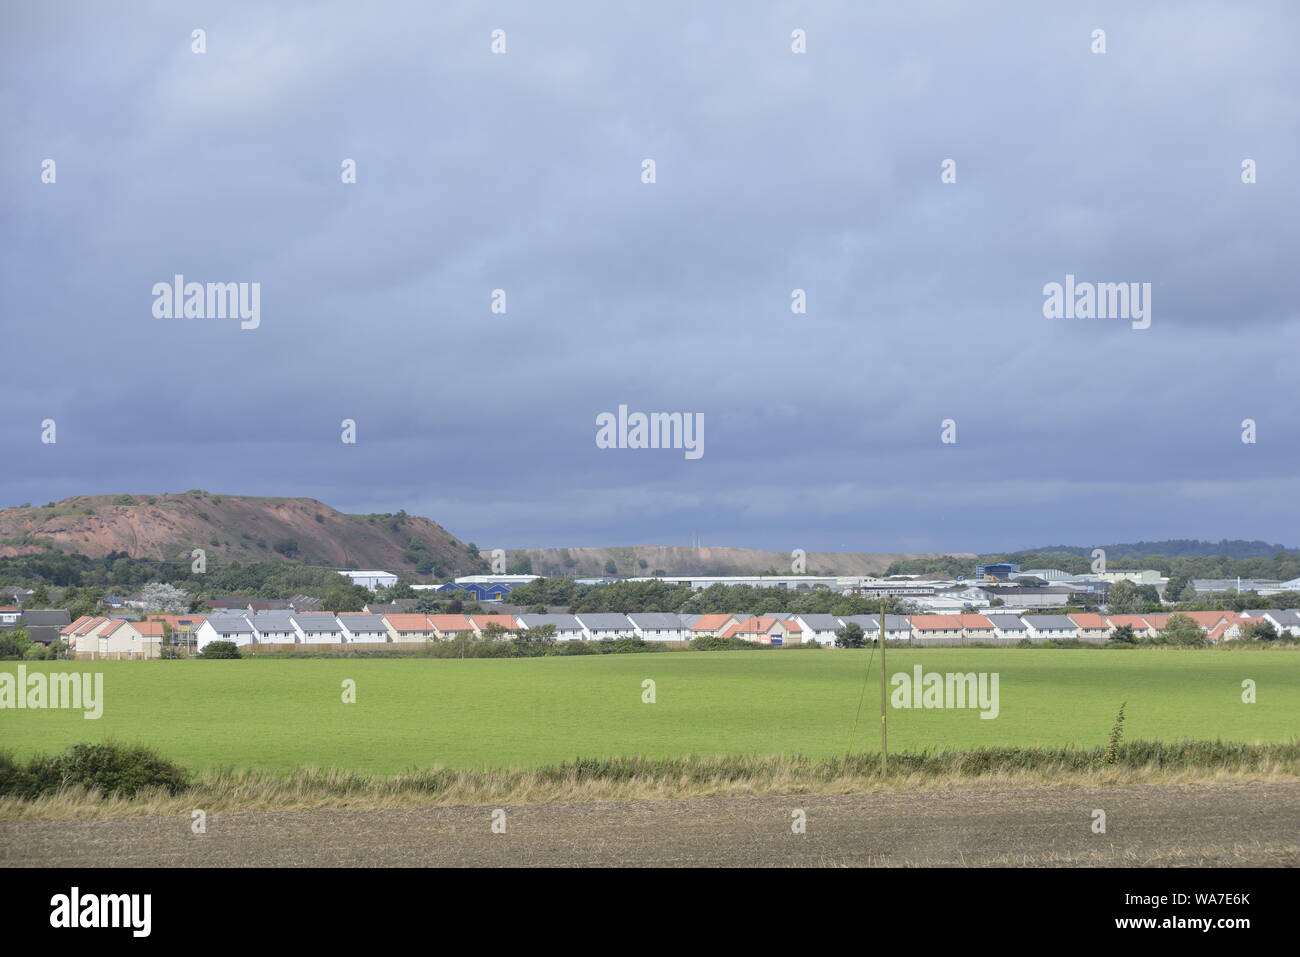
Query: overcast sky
{"x": 775, "y": 171}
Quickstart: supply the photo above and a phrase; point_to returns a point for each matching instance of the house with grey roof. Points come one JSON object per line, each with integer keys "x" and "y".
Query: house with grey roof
{"x": 1008, "y": 627}
{"x": 44, "y": 624}
{"x": 274, "y": 627}
{"x": 567, "y": 627}
{"x": 225, "y": 627}
{"x": 600, "y": 625}
{"x": 363, "y": 628}
{"x": 1284, "y": 621}
{"x": 897, "y": 627}
{"x": 318, "y": 629}
{"x": 819, "y": 628}
{"x": 659, "y": 626}
{"x": 1050, "y": 627}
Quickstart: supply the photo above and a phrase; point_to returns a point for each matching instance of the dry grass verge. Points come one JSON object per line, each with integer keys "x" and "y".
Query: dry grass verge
{"x": 637, "y": 778}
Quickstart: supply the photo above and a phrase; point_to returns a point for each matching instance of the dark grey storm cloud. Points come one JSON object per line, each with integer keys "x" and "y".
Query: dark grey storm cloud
{"x": 775, "y": 171}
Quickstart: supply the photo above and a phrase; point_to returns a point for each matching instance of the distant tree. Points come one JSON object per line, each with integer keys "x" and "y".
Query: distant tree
{"x": 850, "y": 636}
{"x": 14, "y": 643}
{"x": 40, "y": 597}
{"x": 342, "y": 599}
{"x": 533, "y": 640}
{"x": 1123, "y": 598}
{"x": 161, "y": 597}
{"x": 1124, "y": 635}
{"x": 611, "y": 568}
{"x": 402, "y": 589}
{"x": 1260, "y": 631}
{"x": 1184, "y": 631}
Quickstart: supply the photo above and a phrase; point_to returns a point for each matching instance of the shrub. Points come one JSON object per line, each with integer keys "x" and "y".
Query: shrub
{"x": 710, "y": 643}
{"x": 113, "y": 769}
{"x": 220, "y": 649}
{"x": 14, "y": 644}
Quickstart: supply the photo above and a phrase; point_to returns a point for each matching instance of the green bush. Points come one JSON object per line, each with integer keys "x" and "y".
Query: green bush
{"x": 14, "y": 644}
{"x": 711, "y": 643}
{"x": 115, "y": 770}
{"x": 220, "y": 649}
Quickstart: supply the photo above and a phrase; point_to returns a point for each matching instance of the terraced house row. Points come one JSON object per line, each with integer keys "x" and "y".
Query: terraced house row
{"x": 782, "y": 628}
{"x": 107, "y": 638}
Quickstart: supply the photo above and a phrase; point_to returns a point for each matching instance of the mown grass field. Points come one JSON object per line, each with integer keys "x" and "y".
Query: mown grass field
{"x": 486, "y": 713}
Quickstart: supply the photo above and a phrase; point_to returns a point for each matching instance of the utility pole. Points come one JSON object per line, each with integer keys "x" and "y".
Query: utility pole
{"x": 884, "y": 723}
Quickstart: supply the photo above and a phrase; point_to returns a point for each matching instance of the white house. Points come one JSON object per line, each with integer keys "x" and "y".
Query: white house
{"x": 1008, "y": 627}
{"x": 819, "y": 628}
{"x": 1050, "y": 627}
{"x": 318, "y": 629}
{"x": 274, "y": 628}
{"x": 601, "y": 626}
{"x": 226, "y": 627}
{"x": 658, "y": 626}
{"x": 1286, "y": 622}
{"x": 897, "y": 627}
{"x": 363, "y": 628}
{"x": 567, "y": 627}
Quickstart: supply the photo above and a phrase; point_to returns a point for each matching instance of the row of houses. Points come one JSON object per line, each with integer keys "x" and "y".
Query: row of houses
{"x": 780, "y": 628}
{"x": 93, "y": 638}
{"x": 114, "y": 637}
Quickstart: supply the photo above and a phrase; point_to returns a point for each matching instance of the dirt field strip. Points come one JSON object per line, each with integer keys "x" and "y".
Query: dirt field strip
{"x": 1185, "y": 825}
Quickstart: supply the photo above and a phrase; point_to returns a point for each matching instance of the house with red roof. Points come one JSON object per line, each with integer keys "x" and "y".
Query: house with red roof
{"x": 410, "y": 627}
{"x": 977, "y": 628}
{"x": 452, "y": 626}
{"x": 113, "y": 638}
{"x": 1141, "y": 627}
{"x": 506, "y": 622}
{"x": 766, "y": 631}
{"x": 935, "y": 628}
{"x": 711, "y": 626}
{"x": 1092, "y": 627}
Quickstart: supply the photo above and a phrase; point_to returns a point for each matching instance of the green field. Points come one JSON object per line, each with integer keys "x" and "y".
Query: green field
{"x": 277, "y": 714}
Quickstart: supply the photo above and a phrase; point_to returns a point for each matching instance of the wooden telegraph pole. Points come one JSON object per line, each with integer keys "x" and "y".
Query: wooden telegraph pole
{"x": 884, "y": 722}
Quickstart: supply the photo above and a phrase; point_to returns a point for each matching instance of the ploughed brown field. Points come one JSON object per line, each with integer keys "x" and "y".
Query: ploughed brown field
{"x": 1196, "y": 825}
